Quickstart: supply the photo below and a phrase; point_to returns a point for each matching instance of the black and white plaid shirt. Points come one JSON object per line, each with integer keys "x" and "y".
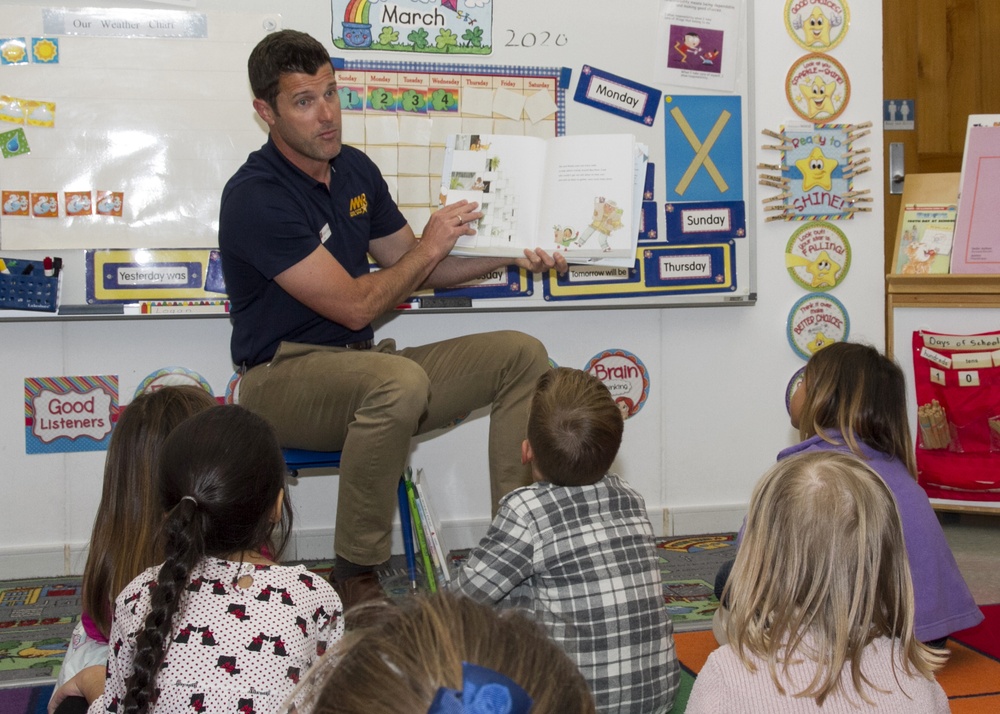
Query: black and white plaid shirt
{"x": 583, "y": 561}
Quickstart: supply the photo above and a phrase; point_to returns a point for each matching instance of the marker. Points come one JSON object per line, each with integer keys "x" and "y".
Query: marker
{"x": 3, "y": 267}
{"x": 27, "y": 270}
{"x": 57, "y": 266}
{"x": 47, "y": 266}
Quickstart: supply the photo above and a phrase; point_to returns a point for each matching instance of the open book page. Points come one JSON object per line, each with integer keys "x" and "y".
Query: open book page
{"x": 504, "y": 175}
{"x": 641, "y": 158}
{"x": 589, "y": 192}
{"x": 575, "y": 194}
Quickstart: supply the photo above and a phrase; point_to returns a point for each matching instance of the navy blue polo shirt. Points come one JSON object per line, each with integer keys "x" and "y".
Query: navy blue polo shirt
{"x": 273, "y": 215}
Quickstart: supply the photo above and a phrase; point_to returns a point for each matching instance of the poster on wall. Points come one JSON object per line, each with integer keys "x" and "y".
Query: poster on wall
{"x": 698, "y": 43}
{"x": 625, "y": 376}
{"x": 66, "y": 414}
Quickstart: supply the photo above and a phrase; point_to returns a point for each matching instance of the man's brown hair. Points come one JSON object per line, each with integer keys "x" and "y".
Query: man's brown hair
{"x": 283, "y": 52}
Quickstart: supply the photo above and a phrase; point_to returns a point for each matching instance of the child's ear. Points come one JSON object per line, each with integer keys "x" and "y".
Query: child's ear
{"x": 278, "y": 505}
{"x": 527, "y": 455}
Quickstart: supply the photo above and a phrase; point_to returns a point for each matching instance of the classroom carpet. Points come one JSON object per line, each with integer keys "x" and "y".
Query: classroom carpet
{"x": 971, "y": 678}
{"x": 37, "y": 616}
{"x": 36, "y": 621}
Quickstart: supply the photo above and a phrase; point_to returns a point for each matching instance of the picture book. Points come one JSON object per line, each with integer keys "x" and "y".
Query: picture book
{"x": 431, "y": 527}
{"x": 580, "y": 195}
{"x": 926, "y": 238}
{"x": 976, "y": 247}
{"x": 421, "y": 541}
{"x": 975, "y": 120}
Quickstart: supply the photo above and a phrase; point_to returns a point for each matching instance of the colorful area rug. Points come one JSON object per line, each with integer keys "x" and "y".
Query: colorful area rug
{"x": 36, "y": 621}
{"x": 971, "y": 678}
{"x": 37, "y": 616}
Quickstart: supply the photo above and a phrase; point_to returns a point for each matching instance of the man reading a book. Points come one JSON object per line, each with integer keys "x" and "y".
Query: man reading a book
{"x": 298, "y": 221}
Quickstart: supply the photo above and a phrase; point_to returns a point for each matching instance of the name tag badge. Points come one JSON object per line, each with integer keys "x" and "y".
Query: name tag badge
{"x": 325, "y": 233}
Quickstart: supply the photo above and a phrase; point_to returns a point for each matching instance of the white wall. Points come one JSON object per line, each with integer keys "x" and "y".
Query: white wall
{"x": 713, "y": 423}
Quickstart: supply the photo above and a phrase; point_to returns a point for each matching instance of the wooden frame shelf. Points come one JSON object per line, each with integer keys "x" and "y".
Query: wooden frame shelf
{"x": 937, "y": 291}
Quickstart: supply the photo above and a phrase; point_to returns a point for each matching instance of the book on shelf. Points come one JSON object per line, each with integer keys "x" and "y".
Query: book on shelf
{"x": 418, "y": 528}
{"x": 991, "y": 120}
{"x": 976, "y": 245}
{"x": 925, "y": 241}
{"x": 580, "y": 195}
{"x": 431, "y": 528}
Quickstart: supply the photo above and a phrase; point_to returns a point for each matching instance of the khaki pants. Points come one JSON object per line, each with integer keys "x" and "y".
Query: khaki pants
{"x": 369, "y": 403}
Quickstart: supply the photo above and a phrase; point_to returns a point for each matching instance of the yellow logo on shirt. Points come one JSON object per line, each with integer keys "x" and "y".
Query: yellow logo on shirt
{"x": 359, "y": 205}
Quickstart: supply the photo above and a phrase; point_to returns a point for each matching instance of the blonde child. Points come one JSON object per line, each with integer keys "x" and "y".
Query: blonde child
{"x": 442, "y": 654}
{"x": 128, "y": 506}
{"x": 820, "y": 601}
{"x": 216, "y": 627}
{"x": 576, "y": 549}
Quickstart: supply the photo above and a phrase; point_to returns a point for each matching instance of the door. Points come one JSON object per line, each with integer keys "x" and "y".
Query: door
{"x": 943, "y": 54}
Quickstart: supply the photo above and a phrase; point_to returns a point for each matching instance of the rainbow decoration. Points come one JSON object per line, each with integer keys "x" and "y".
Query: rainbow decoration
{"x": 357, "y": 11}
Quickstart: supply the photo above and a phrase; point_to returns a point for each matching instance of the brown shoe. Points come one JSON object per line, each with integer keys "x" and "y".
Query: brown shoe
{"x": 358, "y": 589}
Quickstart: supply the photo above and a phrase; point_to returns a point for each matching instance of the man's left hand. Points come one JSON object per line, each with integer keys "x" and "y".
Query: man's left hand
{"x": 538, "y": 261}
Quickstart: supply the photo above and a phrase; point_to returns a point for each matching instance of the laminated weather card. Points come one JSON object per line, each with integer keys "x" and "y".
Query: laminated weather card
{"x": 429, "y": 27}
{"x": 577, "y": 194}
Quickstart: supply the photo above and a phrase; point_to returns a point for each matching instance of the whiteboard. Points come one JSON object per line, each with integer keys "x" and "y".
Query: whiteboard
{"x": 163, "y": 121}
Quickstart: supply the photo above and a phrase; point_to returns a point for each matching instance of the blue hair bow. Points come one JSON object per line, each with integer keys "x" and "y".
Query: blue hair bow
{"x": 483, "y": 692}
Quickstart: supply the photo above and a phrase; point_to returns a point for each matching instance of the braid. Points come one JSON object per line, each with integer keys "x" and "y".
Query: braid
{"x": 184, "y": 547}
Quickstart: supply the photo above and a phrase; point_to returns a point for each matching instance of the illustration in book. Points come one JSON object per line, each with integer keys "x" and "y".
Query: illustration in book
{"x": 925, "y": 242}
{"x": 577, "y": 194}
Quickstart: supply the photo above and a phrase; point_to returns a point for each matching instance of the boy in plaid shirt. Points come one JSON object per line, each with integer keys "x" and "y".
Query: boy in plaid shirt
{"x": 576, "y": 549}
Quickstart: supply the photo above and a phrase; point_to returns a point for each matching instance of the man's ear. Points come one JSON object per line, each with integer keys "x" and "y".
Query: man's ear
{"x": 527, "y": 455}
{"x": 264, "y": 111}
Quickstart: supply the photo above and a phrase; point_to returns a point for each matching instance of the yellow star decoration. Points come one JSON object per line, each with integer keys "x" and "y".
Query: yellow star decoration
{"x": 823, "y": 271}
{"x": 819, "y": 343}
{"x": 817, "y": 29}
{"x": 817, "y": 170}
{"x": 819, "y": 96}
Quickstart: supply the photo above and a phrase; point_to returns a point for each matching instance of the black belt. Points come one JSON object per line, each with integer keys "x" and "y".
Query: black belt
{"x": 361, "y": 345}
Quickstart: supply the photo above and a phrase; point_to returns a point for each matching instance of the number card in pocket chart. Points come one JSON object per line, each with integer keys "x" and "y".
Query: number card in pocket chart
{"x": 957, "y": 379}
{"x": 704, "y": 148}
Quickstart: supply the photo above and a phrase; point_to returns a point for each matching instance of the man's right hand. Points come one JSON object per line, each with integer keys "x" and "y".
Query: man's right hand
{"x": 447, "y": 225}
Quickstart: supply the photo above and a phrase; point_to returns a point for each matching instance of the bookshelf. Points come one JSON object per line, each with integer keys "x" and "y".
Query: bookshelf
{"x": 959, "y": 304}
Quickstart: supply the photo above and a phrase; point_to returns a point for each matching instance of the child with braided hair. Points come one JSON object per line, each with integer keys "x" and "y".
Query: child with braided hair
{"x": 218, "y": 626}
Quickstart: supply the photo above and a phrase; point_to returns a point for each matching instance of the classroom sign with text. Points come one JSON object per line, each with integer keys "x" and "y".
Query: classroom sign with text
{"x": 64, "y": 414}
{"x": 429, "y": 27}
